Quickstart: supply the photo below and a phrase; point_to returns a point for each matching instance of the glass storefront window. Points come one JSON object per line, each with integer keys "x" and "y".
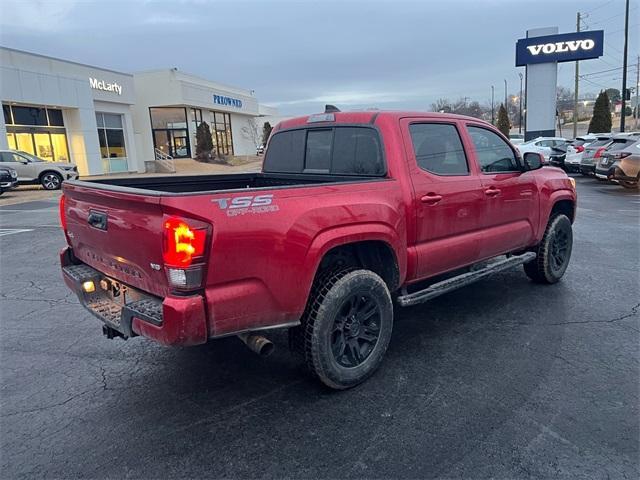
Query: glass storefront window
{"x": 24, "y": 142}
{"x": 29, "y": 116}
{"x": 55, "y": 117}
{"x": 6, "y": 111}
{"x": 11, "y": 140}
{"x": 37, "y": 130}
{"x": 169, "y": 129}
{"x": 112, "y": 144}
{"x": 168, "y": 117}
{"x": 221, "y": 133}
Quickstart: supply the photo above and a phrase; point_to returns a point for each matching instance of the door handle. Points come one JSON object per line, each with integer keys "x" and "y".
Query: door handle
{"x": 492, "y": 192}
{"x": 431, "y": 198}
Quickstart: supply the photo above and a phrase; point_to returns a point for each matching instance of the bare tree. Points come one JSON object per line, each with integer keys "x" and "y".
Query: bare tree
{"x": 253, "y": 132}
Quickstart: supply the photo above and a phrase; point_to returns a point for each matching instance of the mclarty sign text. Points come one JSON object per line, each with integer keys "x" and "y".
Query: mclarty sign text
{"x": 566, "y": 47}
{"x": 105, "y": 86}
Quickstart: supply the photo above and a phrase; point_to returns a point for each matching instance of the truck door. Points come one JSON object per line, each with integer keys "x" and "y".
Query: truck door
{"x": 447, "y": 196}
{"x": 510, "y": 204}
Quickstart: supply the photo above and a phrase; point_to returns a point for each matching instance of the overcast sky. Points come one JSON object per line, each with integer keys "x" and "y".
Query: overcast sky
{"x": 299, "y": 55}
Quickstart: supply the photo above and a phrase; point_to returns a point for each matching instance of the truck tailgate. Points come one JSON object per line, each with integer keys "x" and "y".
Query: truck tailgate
{"x": 118, "y": 234}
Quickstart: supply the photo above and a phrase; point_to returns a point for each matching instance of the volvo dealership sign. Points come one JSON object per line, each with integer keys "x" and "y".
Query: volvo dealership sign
{"x": 566, "y": 47}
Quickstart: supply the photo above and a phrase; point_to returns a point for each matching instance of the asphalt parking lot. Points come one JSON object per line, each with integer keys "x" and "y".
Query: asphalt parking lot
{"x": 502, "y": 379}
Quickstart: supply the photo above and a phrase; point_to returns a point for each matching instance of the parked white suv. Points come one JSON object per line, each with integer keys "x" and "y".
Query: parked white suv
{"x": 34, "y": 170}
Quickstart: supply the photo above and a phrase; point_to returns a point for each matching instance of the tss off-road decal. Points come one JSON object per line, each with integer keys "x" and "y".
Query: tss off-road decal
{"x": 246, "y": 204}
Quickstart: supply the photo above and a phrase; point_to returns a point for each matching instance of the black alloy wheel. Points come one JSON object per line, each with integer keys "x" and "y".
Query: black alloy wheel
{"x": 356, "y": 330}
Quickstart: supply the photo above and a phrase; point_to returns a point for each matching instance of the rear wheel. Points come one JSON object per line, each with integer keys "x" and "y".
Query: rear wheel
{"x": 51, "y": 180}
{"x": 630, "y": 185}
{"x": 347, "y": 327}
{"x": 553, "y": 252}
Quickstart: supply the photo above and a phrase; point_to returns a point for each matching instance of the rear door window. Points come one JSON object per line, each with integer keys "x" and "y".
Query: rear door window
{"x": 336, "y": 150}
{"x": 438, "y": 148}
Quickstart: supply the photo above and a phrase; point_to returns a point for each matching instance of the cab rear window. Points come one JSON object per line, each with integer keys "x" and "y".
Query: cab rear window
{"x": 334, "y": 150}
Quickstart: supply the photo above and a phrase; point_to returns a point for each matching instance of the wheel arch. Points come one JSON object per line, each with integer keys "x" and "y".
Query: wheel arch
{"x": 374, "y": 246}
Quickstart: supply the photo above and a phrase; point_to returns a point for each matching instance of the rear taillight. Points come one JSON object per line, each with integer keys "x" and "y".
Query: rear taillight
{"x": 579, "y": 149}
{"x": 599, "y": 152}
{"x": 183, "y": 243}
{"x": 63, "y": 215}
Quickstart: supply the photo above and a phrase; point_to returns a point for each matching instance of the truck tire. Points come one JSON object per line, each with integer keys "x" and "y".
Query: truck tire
{"x": 347, "y": 327}
{"x": 553, "y": 252}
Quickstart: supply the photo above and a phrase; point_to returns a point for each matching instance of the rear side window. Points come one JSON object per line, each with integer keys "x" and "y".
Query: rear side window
{"x": 286, "y": 152}
{"x": 620, "y": 144}
{"x": 357, "y": 151}
{"x": 438, "y": 148}
{"x": 337, "y": 150}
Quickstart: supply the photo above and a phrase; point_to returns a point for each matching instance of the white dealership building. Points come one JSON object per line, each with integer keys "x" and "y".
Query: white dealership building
{"x": 107, "y": 121}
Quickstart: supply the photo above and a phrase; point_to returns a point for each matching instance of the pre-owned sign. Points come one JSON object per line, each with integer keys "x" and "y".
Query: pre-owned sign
{"x": 566, "y": 47}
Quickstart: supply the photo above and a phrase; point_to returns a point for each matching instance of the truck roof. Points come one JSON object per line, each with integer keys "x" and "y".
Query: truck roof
{"x": 367, "y": 116}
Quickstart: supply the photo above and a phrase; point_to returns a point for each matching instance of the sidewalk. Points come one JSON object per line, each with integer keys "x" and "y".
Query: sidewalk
{"x": 184, "y": 166}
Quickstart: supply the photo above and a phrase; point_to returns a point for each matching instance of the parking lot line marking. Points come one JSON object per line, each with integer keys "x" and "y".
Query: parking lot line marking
{"x": 11, "y": 231}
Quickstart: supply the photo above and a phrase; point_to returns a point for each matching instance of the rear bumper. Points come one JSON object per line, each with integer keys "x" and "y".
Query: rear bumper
{"x": 169, "y": 321}
{"x": 620, "y": 175}
{"x": 587, "y": 169}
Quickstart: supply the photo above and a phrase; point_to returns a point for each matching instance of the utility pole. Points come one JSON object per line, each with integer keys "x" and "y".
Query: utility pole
{"x": 624, "y": 67}
{"x": 506, "y": 103}
{"x": 520, "y": 109}
{"x": 575, "y": 88}
{"x": 493, "y": 110}
{"x": 635, "y": 122}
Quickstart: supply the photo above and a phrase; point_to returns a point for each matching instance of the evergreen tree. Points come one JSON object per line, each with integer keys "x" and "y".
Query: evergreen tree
{"x": 601, "y": 119}
{"x": 266, "y": 132}
{"x": 503, "y": 121}
{"x": 204, "y": 142}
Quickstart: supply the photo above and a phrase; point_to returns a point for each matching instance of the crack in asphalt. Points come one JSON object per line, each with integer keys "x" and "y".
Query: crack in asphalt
{"x": 47, "y": 407}
{"x": 633, "y": 312}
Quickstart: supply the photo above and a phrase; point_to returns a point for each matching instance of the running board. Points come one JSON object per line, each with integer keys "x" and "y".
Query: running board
{"x": 450, "y": 284}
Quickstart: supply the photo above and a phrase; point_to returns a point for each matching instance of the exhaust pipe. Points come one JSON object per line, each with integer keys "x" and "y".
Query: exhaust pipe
{"x": 257, "y": 343}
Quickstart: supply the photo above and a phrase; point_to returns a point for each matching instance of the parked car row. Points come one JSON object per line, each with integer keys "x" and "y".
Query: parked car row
{"x": 32, "y": 170}
{"x": 607, "y": 156}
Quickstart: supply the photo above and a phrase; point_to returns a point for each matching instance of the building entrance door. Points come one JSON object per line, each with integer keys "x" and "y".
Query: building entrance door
{"x": 174, "y": 142}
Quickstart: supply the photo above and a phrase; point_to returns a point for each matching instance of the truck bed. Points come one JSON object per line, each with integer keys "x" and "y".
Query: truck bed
{"x": 190, "y": 184}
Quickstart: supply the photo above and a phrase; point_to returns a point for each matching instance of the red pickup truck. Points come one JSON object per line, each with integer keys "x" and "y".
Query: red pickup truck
{"x": 352, "y": 211}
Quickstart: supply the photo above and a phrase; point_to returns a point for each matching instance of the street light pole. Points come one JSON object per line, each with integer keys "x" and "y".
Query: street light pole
{"x": 493, "y": 114}
{"x": 520, "y": 107}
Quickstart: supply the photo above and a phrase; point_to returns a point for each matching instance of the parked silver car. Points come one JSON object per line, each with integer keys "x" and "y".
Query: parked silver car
{"x": 34, "y": 170}
{"x": 592, "y": 153}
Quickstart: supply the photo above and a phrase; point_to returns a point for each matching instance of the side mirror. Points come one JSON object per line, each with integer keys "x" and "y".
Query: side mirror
{"x": 532, "y": 161}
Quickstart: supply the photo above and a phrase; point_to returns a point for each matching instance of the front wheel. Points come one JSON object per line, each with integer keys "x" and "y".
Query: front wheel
{"x": 51, "y": 180}
{"x": 347, "y": 327}
{"x": 553, "y": 252}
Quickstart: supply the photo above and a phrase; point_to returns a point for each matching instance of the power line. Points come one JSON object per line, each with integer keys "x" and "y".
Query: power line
{"x": 598, "y": 7}
{"x": 609, "y": 70}
{"x": 610, "y": 18}
{"x": 594, "y": 83}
